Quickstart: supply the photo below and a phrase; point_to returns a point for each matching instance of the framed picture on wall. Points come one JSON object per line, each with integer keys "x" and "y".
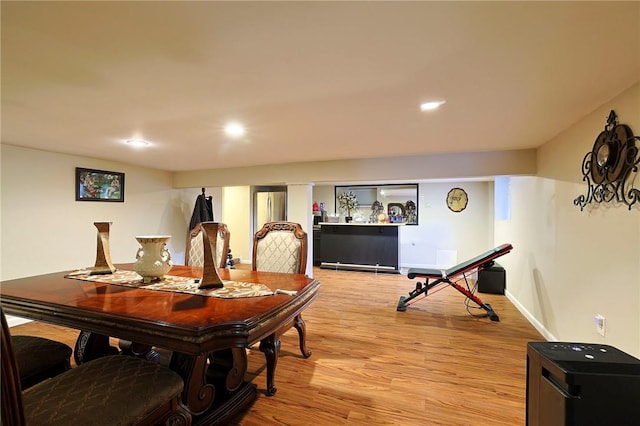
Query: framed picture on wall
{"x": 99, "y": 185}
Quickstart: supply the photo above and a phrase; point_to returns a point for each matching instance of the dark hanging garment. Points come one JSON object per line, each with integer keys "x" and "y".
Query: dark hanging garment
{"x": 209, "y": 203}
{"x": 202, "y": 211}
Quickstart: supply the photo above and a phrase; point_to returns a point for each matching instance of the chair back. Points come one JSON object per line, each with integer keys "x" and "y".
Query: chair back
{"x": 194, "y": 253}
{"x": 280, "y": 247}
{"x": 11, "y": 392}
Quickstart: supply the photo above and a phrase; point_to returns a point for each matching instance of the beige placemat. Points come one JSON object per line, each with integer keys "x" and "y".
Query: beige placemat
{"x": 231, "y": 289}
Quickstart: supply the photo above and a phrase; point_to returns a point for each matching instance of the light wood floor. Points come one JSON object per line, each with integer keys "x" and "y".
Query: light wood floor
{"x": 434, "y": 364}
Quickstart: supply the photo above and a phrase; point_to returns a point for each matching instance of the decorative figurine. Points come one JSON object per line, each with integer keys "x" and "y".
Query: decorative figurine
{"x": 410, "y": 207}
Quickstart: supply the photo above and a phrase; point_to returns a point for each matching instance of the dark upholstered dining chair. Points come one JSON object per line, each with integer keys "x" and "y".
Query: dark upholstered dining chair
{"x": 282, "y": 247}
{"x": 194, "y": 253}
{"x": 108, "y": 391}
{"x": 39, "y": 358}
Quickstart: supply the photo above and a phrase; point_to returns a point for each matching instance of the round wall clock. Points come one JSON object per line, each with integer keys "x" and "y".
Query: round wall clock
{"x": 457, "y": 200}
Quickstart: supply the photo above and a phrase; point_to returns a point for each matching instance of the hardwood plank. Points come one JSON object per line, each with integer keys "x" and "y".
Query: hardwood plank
{"x": 434, "y": 364}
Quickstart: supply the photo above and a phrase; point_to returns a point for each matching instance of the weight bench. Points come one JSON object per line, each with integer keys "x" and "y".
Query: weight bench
{"x": 451, "y": 277}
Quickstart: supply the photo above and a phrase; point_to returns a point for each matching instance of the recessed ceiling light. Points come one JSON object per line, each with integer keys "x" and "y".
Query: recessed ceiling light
{"x": 430, "y": 106}
{"x": 137, "y": 143}
{"x": 234, "y": 129}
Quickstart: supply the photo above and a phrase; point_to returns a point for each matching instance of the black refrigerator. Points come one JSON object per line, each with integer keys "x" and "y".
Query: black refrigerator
{"x": 581, "y": 384}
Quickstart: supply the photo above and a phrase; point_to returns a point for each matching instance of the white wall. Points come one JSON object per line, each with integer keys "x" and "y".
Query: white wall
{"x": 442, "y": 238}
{"x": 413, "y": 168}
{"x": 45, "y": 230}
{"x": 569, "y": 265}
{"x": 300, "y": 210}
{"x": 151, "y": 206}
{"x": 236, "y": 213}
{"x": 325, "y": 194}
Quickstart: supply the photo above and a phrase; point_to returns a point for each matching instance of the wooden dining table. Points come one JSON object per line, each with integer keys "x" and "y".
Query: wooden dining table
{"x": 203, "y": 333}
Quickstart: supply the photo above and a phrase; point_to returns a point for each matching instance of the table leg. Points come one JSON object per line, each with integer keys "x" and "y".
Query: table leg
{"x": 271, "y": 349}
{"x": 227, "y": 368}
{"x": 91, "y": 346}
{"x": 197, "y": 394}
{"x": 299, "y": 324}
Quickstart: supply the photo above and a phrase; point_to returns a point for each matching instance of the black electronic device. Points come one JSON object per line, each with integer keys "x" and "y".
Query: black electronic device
{"x": 492, "y": 279}
{"x": 581, "y": 384}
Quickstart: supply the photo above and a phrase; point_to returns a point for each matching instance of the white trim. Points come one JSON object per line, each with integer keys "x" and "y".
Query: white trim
{"x": 339, "y": 265}
{"x": 14, "y": 321}
{"x": 536, "y": 324}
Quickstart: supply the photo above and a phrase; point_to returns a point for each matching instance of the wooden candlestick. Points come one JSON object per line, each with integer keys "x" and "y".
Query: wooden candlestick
{"x": 210, "y": 277}
{"x": 103, "y": 256}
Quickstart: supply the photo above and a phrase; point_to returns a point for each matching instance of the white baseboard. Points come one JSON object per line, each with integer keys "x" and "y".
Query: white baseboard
{"x": 13, "y": 321}
{"x": 536, "y": 324}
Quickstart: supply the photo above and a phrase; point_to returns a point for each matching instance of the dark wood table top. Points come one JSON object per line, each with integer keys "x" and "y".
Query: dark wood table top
{"x": 190, "y": 324}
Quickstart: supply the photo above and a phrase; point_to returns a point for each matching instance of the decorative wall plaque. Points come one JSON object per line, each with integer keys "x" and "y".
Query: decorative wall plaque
{"x": 457, "y": 200}
{"x": 611, "y": 166}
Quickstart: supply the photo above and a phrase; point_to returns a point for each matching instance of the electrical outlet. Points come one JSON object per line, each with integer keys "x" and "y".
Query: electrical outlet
{"x": 599, "y": 320}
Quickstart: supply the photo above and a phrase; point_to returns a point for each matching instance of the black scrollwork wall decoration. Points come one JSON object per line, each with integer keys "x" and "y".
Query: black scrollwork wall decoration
{"x": 611, "y": 167}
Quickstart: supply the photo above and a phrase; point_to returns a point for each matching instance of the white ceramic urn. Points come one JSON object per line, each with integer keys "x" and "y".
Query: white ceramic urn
{"x": 153, "y": 259}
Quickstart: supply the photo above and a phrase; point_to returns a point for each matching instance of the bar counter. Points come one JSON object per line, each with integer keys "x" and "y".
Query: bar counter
{"x": 360, "y": 246}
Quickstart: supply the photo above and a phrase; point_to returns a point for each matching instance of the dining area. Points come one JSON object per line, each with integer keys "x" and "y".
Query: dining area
{"x": 204, "y": 316}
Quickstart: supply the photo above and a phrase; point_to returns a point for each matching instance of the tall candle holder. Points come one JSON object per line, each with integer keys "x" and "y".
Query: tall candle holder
{"x": 210, "y": 277}
{"x": 103, "y": 263}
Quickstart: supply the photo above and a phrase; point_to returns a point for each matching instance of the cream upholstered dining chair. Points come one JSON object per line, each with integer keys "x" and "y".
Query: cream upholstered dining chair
{"x": 111, "y": 390}
{"x": 194, "y": 253}
{"x": 282, "y": 247}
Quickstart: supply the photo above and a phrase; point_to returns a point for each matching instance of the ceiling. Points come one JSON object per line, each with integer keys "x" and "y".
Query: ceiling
{"x": 310, "y": 80}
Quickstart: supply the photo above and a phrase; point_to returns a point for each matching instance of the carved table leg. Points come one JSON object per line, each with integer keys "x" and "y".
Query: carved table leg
{"x": 230, "y": 365}
{"x": 91, "y": 346}
{"x": 197, "y": 394}
{"x": 271, "y": 349}
{"x": 299, "y": 324}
